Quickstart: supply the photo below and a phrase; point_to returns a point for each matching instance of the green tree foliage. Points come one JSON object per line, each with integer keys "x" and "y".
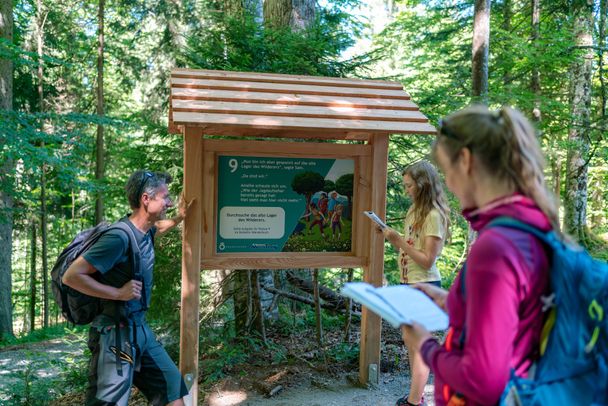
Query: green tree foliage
{"x": 329, "y": 186}
{"x": 238, "y": 42}
{"x": 307, "y": 183}
{"x": 344, "y": 186}
{"x": 427, "y": 48}
{"x": 62, "y": 139}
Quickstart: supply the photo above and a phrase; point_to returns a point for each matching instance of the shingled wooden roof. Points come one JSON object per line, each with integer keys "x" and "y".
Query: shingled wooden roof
{"x": 238, "y": 103}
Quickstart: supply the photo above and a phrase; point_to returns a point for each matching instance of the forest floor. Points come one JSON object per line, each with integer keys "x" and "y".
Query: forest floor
{"x": 32, "y": 372}
{"x": 35, "y": 372}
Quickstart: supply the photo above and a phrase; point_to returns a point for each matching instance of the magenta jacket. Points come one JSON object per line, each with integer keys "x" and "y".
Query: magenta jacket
{"x": 507, "y": 272}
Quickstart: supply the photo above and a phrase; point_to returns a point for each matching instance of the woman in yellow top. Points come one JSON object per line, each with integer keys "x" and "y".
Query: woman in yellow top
{"x": 425, "y": 231}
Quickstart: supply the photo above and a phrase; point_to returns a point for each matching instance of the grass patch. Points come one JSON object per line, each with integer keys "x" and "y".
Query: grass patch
{"x": 597, "y": 244}
{"x": 43, "y": 334}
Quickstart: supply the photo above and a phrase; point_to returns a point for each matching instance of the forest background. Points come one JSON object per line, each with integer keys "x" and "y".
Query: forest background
{"x": 84, "y": 99}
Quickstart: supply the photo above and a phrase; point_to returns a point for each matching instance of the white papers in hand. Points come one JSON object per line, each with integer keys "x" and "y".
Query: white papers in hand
{"x": 398, "y": 305}
{"x": 374, "y": 217}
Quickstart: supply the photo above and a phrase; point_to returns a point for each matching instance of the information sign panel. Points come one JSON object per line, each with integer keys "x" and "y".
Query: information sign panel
{"x": 284, "y": 204}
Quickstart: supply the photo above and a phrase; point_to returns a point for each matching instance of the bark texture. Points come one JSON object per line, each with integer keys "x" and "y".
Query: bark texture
{"x": 6, "y": 200}
{"x": 296, "y": 14}
{"x": 575, "y": 202}
{"x": 100, "y": 157}
{"x": 535, "y": 79}
{"x": 43, "y": 211}
{"x": 481, "y": 50}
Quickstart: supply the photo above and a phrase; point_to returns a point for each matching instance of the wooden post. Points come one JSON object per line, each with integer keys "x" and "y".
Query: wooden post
{"x": 371, "y": 324}
{"x": 191, "y": 262}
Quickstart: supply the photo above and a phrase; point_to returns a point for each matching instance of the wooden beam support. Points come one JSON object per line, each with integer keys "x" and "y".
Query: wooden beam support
{"x": 173, "y": 129}
{"x": 371, "y": 324}
{"x": 287, "y": 149}
{"x": 281, "y": 260}
{"x": 191, "y": 259}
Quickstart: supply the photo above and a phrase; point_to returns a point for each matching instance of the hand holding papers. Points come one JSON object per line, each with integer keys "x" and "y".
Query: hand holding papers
{"x": 374, "y": 218}
{"x": 398, "y": 304}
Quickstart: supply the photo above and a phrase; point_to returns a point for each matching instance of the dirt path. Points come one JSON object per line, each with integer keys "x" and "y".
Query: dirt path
{"x": 47, "y": 363}
{"x": 332, "y": 392}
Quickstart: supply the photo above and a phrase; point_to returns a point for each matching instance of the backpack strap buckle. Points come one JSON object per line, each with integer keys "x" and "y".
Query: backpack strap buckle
{"x": 596, "y": 313}
{"x": 548, "y": 302}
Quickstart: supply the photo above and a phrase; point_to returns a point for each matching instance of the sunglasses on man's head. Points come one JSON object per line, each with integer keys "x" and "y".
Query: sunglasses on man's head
{"x": 144, "y": 178}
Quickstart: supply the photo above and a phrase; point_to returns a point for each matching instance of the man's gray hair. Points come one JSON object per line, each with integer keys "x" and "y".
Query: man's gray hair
{"x": 143, "y": 181}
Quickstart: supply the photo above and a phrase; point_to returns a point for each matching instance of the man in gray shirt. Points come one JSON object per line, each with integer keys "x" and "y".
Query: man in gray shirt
{"x": 105, "y": 271}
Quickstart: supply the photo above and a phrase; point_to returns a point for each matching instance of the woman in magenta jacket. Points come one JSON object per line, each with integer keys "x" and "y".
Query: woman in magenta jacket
{"x": 493, "y": 164}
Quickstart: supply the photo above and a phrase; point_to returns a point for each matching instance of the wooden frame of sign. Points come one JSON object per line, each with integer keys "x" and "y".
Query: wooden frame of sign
{"x": 357, "y": 257}
{"x": 360, "y": 113}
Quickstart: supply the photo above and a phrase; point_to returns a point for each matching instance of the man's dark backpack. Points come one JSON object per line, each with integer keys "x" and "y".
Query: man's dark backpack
{"x": 76, "y": 307}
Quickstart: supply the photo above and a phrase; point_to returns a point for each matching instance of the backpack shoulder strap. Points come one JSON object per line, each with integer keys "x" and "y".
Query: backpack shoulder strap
{"x": 136, "y": 256}
{"x": 137, "y": 275}
{"x": 548, "y": 237}
{"x": 508, "y": 222}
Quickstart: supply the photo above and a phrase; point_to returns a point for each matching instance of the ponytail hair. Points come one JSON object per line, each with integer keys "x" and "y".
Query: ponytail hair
{"x": 429, "y": 194}
{"x": 505, "y": 144}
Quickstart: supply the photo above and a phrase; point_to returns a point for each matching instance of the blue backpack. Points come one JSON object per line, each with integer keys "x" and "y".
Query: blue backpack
{"x": 572, "y": 369}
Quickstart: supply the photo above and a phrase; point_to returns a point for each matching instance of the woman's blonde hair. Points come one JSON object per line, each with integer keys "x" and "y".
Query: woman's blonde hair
{"x": 505, "y": 143}
{"x": 429, "y": 194}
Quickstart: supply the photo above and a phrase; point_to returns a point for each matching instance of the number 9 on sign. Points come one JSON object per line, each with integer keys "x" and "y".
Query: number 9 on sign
{"x": 233, "y": 164}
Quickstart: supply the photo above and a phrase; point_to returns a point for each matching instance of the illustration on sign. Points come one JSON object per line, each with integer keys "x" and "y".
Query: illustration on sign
{"x": 274, "y": 204}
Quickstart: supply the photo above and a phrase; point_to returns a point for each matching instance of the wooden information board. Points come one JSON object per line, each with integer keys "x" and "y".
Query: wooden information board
{"x": 283, "y": 204}
{"x": 292, "y": 204}
{"x": 250, "y": 211}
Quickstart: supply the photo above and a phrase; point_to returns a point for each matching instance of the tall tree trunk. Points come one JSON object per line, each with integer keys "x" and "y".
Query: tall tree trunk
{"x": 6, "y": 200}
{"x": 603, "y": 15}
{"x": 481, "y": 49}
{"x": 302, "y": 14}
{"x": 556, "y": 170}
{"x": 315, "y": 284}
{"x": 507, "y": 13}
{"x": 33, "y": 278}
{"x": 349, "y": 310}
{"x": 267, "y": 300}
{"x": 258, "y": 311}
{"x": 601, "y": 44}
{"x": 581, "y": 73}
{"x": 44, "y": 240}
{"x": 241, "y": 293}
{"x": 296, "y": 14}
{"x": 277, "y": 13}
{"x": 100, "y": 159}
{"x": 43, "y": 217}
{"x": 233, "y": 8}
{"x": 535, "y": 80}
